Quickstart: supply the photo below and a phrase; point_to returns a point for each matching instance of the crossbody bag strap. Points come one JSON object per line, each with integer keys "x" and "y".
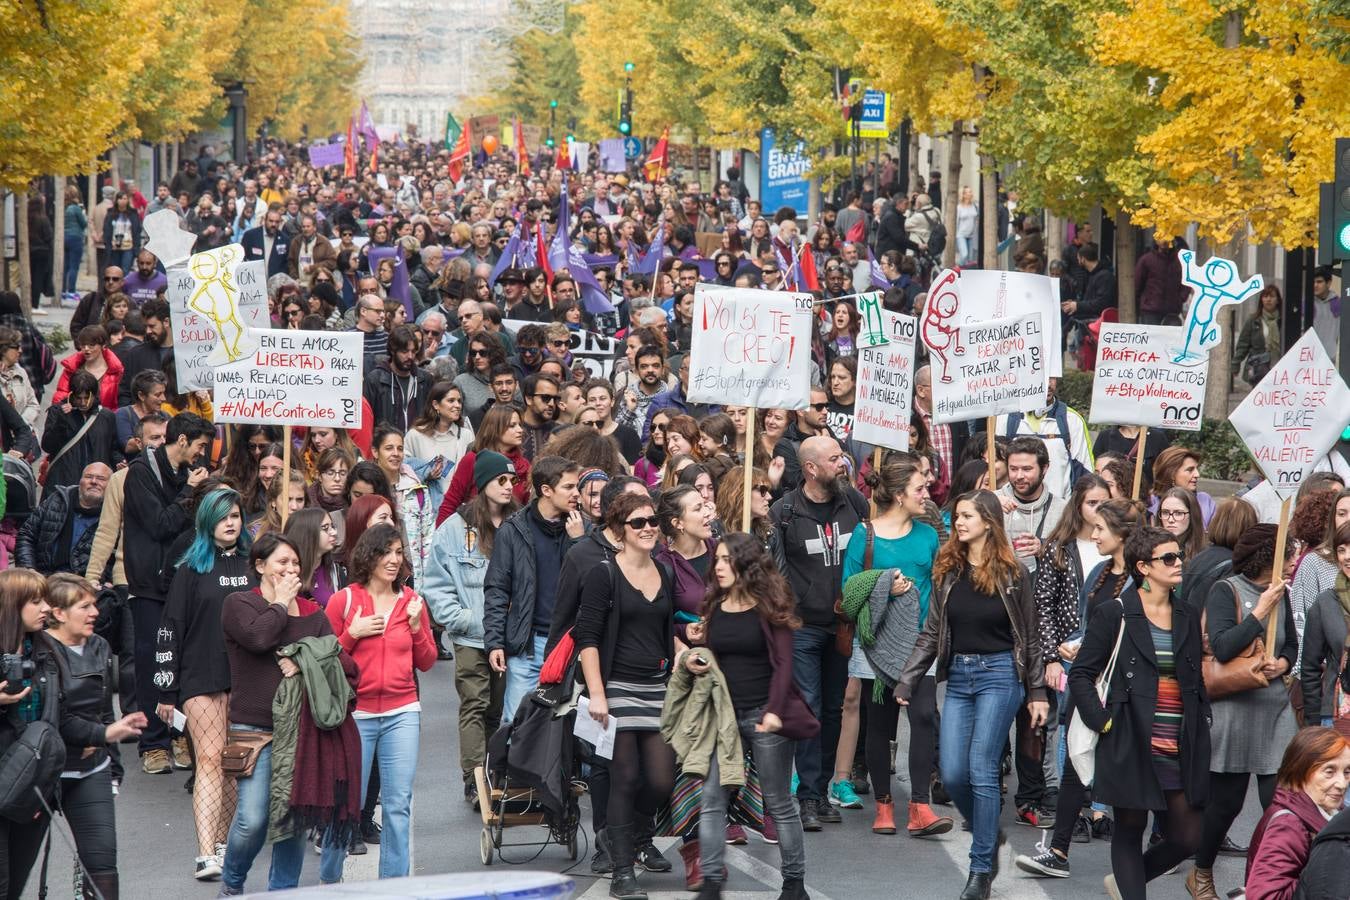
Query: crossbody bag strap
{"x": 1109, "y": 672}
{"x": 867, "y": 551}
{"x": 70, "y": 444}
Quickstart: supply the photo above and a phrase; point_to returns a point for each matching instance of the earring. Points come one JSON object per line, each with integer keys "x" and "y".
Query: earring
{"x": 1143, "y": 584}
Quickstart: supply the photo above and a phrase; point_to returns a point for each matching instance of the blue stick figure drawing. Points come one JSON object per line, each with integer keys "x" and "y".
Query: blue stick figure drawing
{"x": 1211, "y": 283}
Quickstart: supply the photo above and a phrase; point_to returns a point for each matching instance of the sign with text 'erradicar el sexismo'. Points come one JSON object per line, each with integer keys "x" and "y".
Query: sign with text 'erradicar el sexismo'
{"x": 751, "y": 348}
{"x": 997, "y": 367}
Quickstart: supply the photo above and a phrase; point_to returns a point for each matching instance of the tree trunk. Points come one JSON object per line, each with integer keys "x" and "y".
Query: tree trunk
{"x": 90, "y": 252}
{"x": 989, "y": 214}
{"x": 1125, "y": 259}
{"x": 25, "y": 272}
{"x": 136, "y": 150}
{"x": 952, "y": 192}
{"x": 1054, "y": 238}
{"x": 115, "y": 166}
{"x": 59, "y": 235}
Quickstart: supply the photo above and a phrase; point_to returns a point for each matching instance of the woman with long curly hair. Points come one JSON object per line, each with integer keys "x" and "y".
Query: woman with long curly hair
{"x": 747, "y": 626}
{"x": 981, "y": 633}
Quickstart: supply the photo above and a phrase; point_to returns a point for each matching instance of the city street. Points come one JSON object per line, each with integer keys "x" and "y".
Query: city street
{"x": 156, "y": 844}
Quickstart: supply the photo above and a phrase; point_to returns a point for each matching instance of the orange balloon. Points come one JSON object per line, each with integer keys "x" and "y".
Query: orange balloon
{"x": 490, "y": 144}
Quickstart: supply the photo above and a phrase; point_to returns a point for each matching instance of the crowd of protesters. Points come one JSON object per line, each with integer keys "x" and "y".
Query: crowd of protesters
{"x": 510, "y": 498}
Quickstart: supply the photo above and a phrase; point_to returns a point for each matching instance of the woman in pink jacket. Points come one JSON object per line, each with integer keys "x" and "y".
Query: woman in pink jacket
{"x": 1312, "y": 782}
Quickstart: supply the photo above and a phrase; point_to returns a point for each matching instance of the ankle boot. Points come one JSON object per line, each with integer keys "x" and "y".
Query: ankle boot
{"x": 104, "y": 882}
{"x": 1200, "y": 884}
{"x": 884, "y": 823}
{"x": 794, "y": 889}
{"x": 709, "y": 890}
{"x": 977, "y": 887}
{"x": 693, "y": 865}
{"x": 623, "y": 883}
{"x": 923, "y": 821}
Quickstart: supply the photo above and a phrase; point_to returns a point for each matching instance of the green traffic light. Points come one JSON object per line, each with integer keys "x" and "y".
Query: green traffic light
{"x": 1344, "y": 237}
{"x": 628, "y": 67}
{"x": 625, "y": 128}
{"x": 549, "y": 141}
{"x": 553, "y": 104}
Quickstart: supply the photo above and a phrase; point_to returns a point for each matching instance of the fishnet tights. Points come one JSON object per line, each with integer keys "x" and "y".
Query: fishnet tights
{"x": 213, "y": 795}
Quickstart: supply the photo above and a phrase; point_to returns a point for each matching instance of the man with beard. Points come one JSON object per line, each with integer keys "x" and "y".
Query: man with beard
{"x": 90, "y": 308}
{"x": 146, "y": 282}
{"x": 267, "y": 242}
{"x": 635, "y": 405}
{"x": 57, "y": 536}
{"x": 502, "y": 383}
{"x": 152, "y": 352}
{"x": 542, "y": 394}
{"x": 397, "y": 389}
{"x": 1065, "y": 435}
{"x": 812, "y": 526}
{"x": 677, "y": 399}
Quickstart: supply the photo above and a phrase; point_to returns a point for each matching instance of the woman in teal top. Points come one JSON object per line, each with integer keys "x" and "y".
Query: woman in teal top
{"x": 77, "y": 224}
{"x": 900, "y": 541}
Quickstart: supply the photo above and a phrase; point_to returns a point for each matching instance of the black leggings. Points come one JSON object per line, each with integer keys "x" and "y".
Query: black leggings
{"x": 1227, "y": 794}
{"x": 882, "y": 719}
{"x": 1182, "y": 826}
{"x": 641, "y": 775}
{"x": 88, "y": 806}
{"x": 1068, "y": 806}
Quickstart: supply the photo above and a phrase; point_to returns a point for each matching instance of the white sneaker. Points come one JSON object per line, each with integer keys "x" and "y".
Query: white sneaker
{"x": 39, "y": 312}
{"x": 208, "y": 868}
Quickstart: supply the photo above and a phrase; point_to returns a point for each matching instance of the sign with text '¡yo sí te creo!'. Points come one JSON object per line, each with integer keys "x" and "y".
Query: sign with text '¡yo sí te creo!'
{"x": 997, "y": 367}
{"x": 751, "y": 348}
{"x": 885, "y": 397}
{"x": 1295, "y": 415}
{"x": 294, "y": 378}
{"x": 1138, "y": 382}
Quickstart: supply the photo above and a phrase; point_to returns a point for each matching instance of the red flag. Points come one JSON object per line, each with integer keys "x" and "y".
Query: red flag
{"x": 541, "y": 251}
{"x": 657, "y": 165}
{"x": 349, "y": 150}
{"x": 807, "y": 266}
{"x": 462, "y": 151}
{"x": 564, "y": 160}
{"x": 522, "y": 155}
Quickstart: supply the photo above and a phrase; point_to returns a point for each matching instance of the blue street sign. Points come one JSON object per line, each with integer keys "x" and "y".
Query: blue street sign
{"x": 784, "y": 173}
{"x": 876, "y": 106}
{"x": 632, "y": 148}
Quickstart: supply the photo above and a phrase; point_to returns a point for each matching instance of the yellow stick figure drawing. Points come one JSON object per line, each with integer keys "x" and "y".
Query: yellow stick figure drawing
{"x": 216, "y": 297}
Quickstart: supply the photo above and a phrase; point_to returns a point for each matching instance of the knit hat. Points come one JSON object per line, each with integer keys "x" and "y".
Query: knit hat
{"x": 589, "y": 475}
{"x": 1253, "y": 542}
{"x": 488, "y": 465}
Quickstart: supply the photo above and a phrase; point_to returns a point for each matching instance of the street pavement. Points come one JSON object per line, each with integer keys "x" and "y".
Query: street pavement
{"x": 844, "y": 862}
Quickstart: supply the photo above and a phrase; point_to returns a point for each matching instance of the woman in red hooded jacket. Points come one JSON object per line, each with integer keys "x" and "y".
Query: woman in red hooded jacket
{"x": 93, "y": 356}
{"x": 1312, "y": 783}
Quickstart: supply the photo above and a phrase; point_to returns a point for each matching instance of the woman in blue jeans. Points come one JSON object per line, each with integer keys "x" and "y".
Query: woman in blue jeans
{"x": 76, "y": 227}
{"x": 981, "y": 632}
{"x": 748, "y": 624}
{"x": 256, "y": 624}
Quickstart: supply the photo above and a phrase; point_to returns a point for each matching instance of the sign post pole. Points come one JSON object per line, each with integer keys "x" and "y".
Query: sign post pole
{"x": 749, "y": 468}
{"x": 1281, "y": 538}
{"x": 285, "y": 475}
{"x": 989, "y": 450}
{"x": 876, "y": 467}
{"x": 1139, "y": 462}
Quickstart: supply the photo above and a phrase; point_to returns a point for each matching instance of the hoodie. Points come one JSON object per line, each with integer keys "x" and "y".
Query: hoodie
{"x": 396, "y": 399}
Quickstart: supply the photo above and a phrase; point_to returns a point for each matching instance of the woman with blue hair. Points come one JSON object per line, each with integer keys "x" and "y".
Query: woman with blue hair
{"x": 193, "y": 674}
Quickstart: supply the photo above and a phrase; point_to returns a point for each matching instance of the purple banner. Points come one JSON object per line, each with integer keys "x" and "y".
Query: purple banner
{"x": 321, "y": 155}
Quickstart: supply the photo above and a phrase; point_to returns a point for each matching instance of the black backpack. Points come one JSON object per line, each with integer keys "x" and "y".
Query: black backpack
{"x": 30, "y": 771}
{"x": 937, "y": 237}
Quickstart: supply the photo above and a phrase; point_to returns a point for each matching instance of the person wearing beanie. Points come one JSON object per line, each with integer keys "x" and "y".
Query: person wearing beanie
{"x": 488, "y": 465}
{"x": 591, "y": 484}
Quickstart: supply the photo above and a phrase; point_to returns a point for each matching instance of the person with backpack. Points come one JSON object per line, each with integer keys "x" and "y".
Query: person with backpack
{"x": 1066, "y": 438}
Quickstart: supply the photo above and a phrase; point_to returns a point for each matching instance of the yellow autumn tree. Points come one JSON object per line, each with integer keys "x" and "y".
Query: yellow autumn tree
{"x": 64, "y": 68}
{"x": 1249, "y": 130}
{"x": 176, "y": 92}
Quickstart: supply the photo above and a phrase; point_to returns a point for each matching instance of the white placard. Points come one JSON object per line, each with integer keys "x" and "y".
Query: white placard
{"x": 997, "y": 367}
{"x": 1295, "y": 415}
{"x": 194, "y": 334}
{"x": 980, "y": 296}
{"x": 294, "y": 378}
{"x": 885, "y": 397}
{"x": 751, "y": 348}
{"x": 597, "y": 352}
{"x": 1138, "y": 382}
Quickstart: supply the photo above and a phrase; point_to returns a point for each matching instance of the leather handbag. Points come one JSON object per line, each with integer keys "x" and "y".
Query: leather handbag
{"x": 1239, "y": 674}
{"x": 240, "y": 755}
{"x": 844, "y": 628}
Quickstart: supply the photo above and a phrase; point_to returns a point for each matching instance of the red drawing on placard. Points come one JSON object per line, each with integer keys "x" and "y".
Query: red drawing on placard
{"x": 939, "y": 321}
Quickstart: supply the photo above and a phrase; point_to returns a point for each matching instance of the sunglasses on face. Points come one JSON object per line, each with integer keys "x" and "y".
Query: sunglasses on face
{"x": 660, "y": 426}
{"x": 478, "y": 352}
{"x": 432, "y": 332}
{"x": 596, "y": 424}
{"x": 1169, "y": 559}
{"x": 559, "y": 343}
{"x": 505, "y": 480}
{"x": 547, "y": 398}
{"x": 820, "y": 407}
{"x": 641, "y": 523}
{"x": 763, "y": 490}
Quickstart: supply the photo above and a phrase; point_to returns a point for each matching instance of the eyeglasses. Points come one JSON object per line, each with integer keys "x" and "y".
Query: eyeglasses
{"x": 112, "y": 277}
{"x": 1169, "y": 559}
{"x": 327, "y": 528}
{"x": 763, "y": 489}
{"x": 597, "y": 424}
{"x": 334, "y": 473}
{"x": 547, "y": 398}
{"x": 479, "y": 352}
{"x": 527, "y": 350}
{"x": 432, "y": 332}
{"x": 1174, "y": 514}
{"x": 378, "y": 309}
{"x": 820, "y": 407}
{"x": 642, "y": 523}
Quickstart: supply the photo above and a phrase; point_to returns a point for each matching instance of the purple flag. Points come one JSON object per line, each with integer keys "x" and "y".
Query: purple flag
{"x": 558, "y": 249}
{"x": 398, "y": 289}
{"x": 651, "y": 260}
{"x": 321, "y": 155}
{"x": 707, "y": 269}
{"x": 366, "y": 125}
{"x": 592, "y": 295}
{"x": 879, "y": 279}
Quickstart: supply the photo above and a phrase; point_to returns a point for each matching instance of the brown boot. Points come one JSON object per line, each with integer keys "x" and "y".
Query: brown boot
{"x": 884, "y": 823}
{"x": 923, "y": 821}
{"x": 693, "y": 867}
{"x": 1200, "y": 884}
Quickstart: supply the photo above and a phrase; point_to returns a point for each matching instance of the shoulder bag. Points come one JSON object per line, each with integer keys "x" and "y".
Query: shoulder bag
{"x": 1082, "y": 740}
{"x": 1242, "y": 672}
{"x": 240, "y": 755}
{"x": 844, "y": 628}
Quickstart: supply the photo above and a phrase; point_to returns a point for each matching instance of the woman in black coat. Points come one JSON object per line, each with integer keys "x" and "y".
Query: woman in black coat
{"x": 1153, "y": 753}
{"x": 98, "y": 443}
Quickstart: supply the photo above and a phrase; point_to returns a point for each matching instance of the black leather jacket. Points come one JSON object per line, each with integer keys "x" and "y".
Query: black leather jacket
{"x": 935, "y": 640}
{"x": 88, "y": 681}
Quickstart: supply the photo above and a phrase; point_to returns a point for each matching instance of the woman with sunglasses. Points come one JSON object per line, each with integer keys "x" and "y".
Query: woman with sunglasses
{"x": 485, "y": 350}
{"x": 980, "y": 630}
{"x": 1249, "y": 729}
{"x": 501, "y": 432}
{"x": 1154, "y": 746}
{"x": 649, "y": 468}
{"x": 292, "y": 311}
{"x": 725, "y": 262}
{"x": 626, "y": 677}
{"x": 730, "y": 502}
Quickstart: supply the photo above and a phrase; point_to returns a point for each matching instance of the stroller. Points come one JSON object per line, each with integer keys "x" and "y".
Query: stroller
{"x": 530, "y": 777}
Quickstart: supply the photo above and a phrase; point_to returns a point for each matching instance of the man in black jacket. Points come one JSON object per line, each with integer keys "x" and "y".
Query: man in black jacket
{"x": 1099, "y": 291}
{"x": 812, "y": 527}
{"x": 891, "y": 234}
{"x": 157, "y": 489}
{"x": 151, "y": 353}
{"x": 58, "y": 535}
{"x": 397, "y": 389}
{"x": 521, "y": 586}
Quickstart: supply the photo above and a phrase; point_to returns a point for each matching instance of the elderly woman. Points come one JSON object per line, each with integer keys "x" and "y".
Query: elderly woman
{"x": 1312, "y": 783}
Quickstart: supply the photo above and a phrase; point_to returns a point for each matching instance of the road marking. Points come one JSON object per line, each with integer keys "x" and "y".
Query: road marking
{"x": 735, "y": 858}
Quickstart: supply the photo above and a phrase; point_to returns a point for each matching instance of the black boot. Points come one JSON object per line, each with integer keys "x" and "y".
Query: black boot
{"x": 623, "y": 883}
{"x": 709, "y": 890}
{"x": 977, "y": 887}
{"x": 601, "y": 864}
{"x": 105, "y": 883}
{"x": 794, "y": 889}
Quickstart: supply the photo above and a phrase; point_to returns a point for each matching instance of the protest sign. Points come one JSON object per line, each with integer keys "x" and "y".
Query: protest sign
{"x": 1137, "y": 381}
{"x": 751, "y": 348}
{"x": 321, "y": 155}
{"x": 885, "y": 394}
{"x": 294, "y": 378}
{"x": 1295, "y": 415}
{"x": 1214, "y": 284}
{"x": 195, "y": 336}
{"x": 997, "y": 367}
{"x": 874, "y": 327}
{"x": 980, "y": 296}
{"x": 597, "y": 352}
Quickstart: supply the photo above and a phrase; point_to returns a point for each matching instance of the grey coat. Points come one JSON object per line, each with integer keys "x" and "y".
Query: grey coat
{"x": 1323, "y": 645}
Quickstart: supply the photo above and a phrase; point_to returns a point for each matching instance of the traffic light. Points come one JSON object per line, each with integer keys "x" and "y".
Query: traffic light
{"x": 549, "y": 141}
{"x": 553, "y": 104}
{"x": 625, "y": 111}
{"x": 628, "y": 68}
{"x": 1340, "y": 203}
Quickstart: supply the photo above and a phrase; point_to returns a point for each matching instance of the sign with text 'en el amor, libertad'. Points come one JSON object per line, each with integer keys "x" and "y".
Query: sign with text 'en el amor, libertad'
{"x": 308, "y": 378}
{"x": 751, "y": 348}
{"x": 1295, "y": 415}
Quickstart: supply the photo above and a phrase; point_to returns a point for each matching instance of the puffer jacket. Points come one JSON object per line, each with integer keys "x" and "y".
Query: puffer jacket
{"x": 454, "y": 575}
{"x": 35, "y": 547}
{"x": 699, "y": 720}
{"x": 1281, "y": 844}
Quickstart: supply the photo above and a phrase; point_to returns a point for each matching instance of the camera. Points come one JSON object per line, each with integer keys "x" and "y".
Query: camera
{"x": 14, "y": 670}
